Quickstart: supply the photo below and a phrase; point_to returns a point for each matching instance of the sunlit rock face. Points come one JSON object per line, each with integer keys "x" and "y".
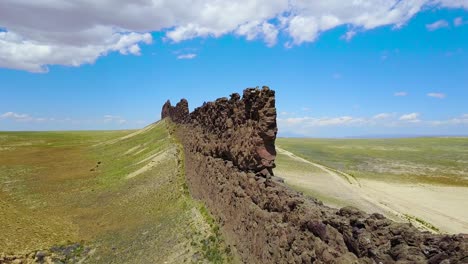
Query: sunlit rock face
{"x": 240, "y": 130}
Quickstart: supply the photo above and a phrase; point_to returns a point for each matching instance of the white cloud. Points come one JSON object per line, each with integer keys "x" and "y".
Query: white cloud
{"x": 106, "y": 121}
{"x": 437, "y": 25}
{"x": 114, "y": 119}
{"x": 310, "y": 18}
{"x": 17, "y": 117}
{"x": 320, "y": 122}
{"x": 437, "y": 95}
{"x": 349, "y": 35}
{"x": 400, "y": 94}
{"x": 453, "y": 3}
{"x": 411, "y": 118}
{"x": 302, "y": 29}
{"x": 458, "y": 21}
{"x": 14, "y": 116}
{"x": 72, "y": 33}
{"x": 461, "y": 120}
{"x": 256, "y": 29}
{"x": 19, "y": 53}
{"x": 382, "y": 116}
{"x": 309, "y": 125}
{"x": 188, "y": 56}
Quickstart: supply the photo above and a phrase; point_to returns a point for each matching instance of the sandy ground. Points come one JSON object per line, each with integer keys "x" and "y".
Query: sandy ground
{"x": 440, "y": 206}
{"x": 131, "y": 135}
{"x": 153, "y": 161}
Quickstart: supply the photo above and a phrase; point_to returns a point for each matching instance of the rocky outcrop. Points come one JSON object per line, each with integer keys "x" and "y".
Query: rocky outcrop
{"x": 178, "y": 114}
{"x": 240, "y": 130}
{"x": 229, "y": 160}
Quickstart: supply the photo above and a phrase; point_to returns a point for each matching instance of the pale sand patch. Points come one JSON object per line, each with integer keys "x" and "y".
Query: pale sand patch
{"x": 131, "y": 150}
{"x": 24, "y": 144}
{"x": 136, "y": 133}
{"x": 441, "y": 206}
{"x": 140, "y": 151}
{"x": 6, "y": 148}
{"x": 152, "y": 161}
{"x": 334, "y": 190}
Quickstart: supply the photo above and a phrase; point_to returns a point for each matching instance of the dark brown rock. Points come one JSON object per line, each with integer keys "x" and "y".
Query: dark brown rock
{"x": 178, "y": 114}
{"x": 241, "y": 130}
{"x": 229, "y": 157}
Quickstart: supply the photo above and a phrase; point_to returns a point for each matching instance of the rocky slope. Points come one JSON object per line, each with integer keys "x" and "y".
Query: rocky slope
{"x": 229, "y": 153}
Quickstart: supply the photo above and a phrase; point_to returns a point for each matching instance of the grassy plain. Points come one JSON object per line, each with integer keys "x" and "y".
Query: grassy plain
{"x": 441, "y": 161}
{"x": 421, "y": 180}
{"x": 123, "y": 193}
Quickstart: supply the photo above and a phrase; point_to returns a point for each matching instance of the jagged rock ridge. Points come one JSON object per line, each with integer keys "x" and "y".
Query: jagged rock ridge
{"x": 239, "y": 130}
{"x": 229, "y": 157}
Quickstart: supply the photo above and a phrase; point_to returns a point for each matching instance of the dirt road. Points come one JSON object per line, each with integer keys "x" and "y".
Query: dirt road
{"x": 430, "y": 207}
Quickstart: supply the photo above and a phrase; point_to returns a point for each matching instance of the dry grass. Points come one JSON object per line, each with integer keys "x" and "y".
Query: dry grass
{"x": 437, "y": 161}
{"x": 61, "y": 187}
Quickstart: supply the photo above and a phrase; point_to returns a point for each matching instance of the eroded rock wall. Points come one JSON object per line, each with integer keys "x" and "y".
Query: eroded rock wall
{"x": 241, "y": 130}
{"x": 229, "y": 155}
{"x": 178, "y": 113}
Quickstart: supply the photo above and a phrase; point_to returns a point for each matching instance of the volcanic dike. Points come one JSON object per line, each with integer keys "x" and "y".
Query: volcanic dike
{"x": 229, "y": 147}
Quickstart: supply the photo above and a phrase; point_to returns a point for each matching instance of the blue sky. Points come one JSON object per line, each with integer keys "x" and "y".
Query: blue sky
{"x": 402, "y": 77}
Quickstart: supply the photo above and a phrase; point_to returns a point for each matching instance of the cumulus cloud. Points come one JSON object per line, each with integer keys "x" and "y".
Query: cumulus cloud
{"x": 437, "y": 25}
{"x": 308, "y": 125}
{"x": 16, "y": 52}
{"x": 188, "y": 56}
{"x": 437, "y": 95}
{"x": 36, "y": 34}
{"x": 309, "y": 122}
{"x": 256, "y": 29}
{"x": 400, "y": 94}
{"x": 382, "y": 116}
{"x": 411, "y": 118}
{"x": 15, "y": 116}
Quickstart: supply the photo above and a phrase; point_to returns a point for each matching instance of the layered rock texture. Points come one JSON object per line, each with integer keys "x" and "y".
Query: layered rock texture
{"x": 229, "y": 158}
{"x": 242, "y": 131}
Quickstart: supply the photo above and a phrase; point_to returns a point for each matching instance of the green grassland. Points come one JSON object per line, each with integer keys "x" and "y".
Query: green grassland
{"x": 441, "y": 161}
{"x": 121, "y": 193}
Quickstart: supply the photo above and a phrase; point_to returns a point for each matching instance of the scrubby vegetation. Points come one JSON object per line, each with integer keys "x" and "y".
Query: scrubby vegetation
{"x": 440, "y": 161}
{"x": 123, "y": 193}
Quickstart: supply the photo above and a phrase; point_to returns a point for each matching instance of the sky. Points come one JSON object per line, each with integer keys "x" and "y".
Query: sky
{"x": 340, "y": 69}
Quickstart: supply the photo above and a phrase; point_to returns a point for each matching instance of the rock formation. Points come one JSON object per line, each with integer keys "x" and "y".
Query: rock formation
{"x": 178, "y": 114}
{"x": 242, "y": 131}
{"x": 229, "y": 158}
